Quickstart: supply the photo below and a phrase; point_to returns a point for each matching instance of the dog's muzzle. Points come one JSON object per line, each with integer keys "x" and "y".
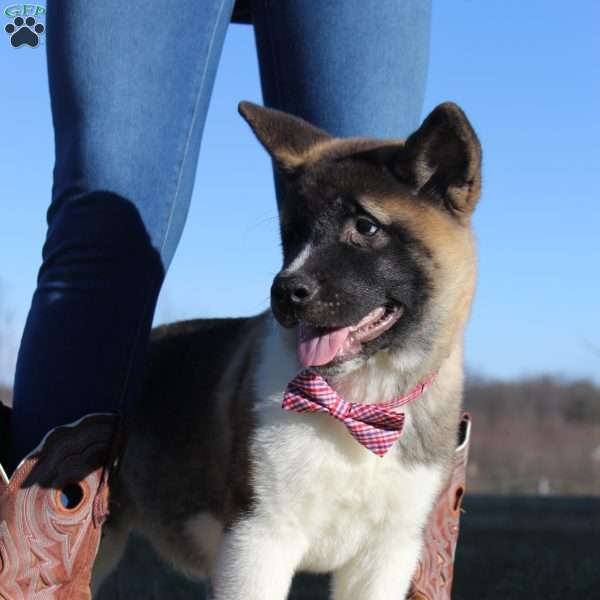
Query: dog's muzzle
{"x": 290, "y": 295}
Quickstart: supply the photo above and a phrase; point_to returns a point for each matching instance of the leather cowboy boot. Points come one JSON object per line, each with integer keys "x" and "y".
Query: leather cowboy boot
{"x": 52, "y": 510}
{"x": 433, "y": 577}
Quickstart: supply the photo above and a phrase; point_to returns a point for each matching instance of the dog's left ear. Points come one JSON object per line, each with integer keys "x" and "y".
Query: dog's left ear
{"x": 440, "y": 161}
{"x": 286, "y": 138}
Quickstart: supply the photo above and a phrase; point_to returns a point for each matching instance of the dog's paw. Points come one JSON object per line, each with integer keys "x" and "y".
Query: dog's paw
{"x": 24, "y": 32}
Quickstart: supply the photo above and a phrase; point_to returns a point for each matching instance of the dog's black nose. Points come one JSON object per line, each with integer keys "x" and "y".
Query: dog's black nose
{"x": 297, "y": 289}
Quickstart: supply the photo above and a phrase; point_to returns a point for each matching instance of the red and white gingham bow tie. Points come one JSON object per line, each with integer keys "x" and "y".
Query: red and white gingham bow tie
{"x": 375, "y": 426}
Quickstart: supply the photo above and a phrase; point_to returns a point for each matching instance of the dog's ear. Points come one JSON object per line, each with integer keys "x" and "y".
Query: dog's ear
{"x": 441, "y": 160}
{"x": 286, "y": 138}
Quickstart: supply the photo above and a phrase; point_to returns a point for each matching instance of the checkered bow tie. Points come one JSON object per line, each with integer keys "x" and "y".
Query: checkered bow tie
{"x": 375, "y": 426}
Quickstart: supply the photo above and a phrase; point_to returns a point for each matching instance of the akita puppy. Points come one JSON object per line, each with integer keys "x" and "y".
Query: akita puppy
{"x": 369, "y": 308}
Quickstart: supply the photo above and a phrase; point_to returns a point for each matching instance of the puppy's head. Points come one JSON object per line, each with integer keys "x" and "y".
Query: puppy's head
{"x": 378, "y": 255}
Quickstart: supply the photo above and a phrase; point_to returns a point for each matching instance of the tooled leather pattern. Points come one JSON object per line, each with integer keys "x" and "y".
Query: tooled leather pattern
{"x": 433, "y": 577}
{"x": 45, "y": 549}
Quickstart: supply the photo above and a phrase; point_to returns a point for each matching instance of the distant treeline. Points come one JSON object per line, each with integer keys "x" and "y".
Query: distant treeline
{"x": 534, "y": 398}
{"x": 539, "y": 435}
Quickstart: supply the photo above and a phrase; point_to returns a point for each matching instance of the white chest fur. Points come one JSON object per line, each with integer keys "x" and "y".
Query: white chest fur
{"x": 311, "y": 478}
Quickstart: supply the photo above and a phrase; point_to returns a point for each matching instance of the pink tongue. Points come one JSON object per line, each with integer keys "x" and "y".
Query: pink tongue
{"x": 315, "y": 350}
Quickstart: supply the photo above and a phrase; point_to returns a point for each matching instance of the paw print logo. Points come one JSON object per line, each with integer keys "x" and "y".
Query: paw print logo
{"x": 24, "y": 32}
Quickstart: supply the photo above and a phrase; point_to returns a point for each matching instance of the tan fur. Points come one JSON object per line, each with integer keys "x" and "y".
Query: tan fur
{"x": 454, "y": 269}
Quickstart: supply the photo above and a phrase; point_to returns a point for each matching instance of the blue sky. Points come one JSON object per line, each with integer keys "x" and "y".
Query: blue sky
{"x": 528, "y": 76}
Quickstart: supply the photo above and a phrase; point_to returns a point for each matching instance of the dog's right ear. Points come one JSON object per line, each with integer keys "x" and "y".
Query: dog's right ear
{"x": 286, "y": 138}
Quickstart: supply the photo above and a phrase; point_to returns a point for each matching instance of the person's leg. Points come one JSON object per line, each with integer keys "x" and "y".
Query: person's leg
{"x": 351, "y": 67}
{"x": 130, "y": 92}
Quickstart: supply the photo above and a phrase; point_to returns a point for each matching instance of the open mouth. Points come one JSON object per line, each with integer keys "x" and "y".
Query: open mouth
{"x": 318, "y": 346}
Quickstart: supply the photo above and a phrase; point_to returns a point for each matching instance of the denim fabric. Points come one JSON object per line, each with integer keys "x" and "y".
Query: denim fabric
{"x": 351, "y": 67}
{"x": 129, "y": 101}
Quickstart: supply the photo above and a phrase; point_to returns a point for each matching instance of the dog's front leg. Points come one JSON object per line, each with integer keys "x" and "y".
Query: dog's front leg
{"x": 380, "y": 572}
{"x": 256, "y": 561}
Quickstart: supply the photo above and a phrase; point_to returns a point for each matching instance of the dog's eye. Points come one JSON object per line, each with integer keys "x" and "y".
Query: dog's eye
{"x": 366, "y": 227}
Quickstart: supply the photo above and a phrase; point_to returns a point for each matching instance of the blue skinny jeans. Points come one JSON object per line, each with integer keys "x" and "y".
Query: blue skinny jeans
{"x": 129, "y": 98}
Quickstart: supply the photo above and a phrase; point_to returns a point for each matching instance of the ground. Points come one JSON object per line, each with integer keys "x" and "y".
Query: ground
{"x": 511, "y": 548}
